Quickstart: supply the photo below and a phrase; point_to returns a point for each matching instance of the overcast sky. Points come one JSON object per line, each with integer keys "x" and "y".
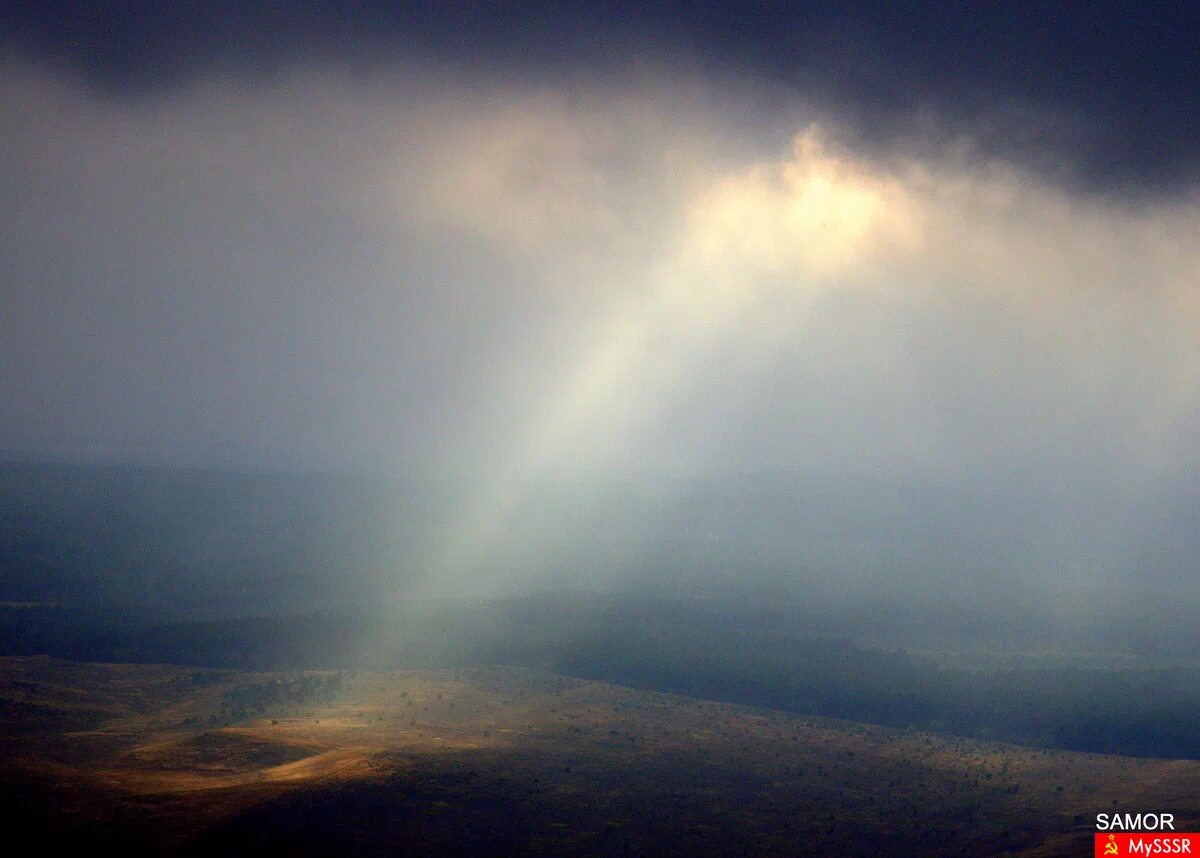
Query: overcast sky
{"x": 492, "y": 240}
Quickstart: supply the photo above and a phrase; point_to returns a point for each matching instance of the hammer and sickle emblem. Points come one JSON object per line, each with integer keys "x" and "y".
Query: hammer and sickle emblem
{"x": 1111, "y": 847}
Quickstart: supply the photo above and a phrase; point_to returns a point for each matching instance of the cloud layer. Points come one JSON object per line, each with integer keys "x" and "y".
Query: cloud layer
{"x": 414, "y": 271}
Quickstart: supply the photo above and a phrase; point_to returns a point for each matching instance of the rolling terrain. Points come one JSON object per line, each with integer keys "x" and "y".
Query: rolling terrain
{"x": 155, "y": 758}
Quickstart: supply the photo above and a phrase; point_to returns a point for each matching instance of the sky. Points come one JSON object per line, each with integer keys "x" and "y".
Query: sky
{"x": 504, "y": 243}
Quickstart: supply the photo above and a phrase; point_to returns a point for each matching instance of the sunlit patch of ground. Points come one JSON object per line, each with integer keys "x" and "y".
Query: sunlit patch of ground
{"x": 496, "y": 759}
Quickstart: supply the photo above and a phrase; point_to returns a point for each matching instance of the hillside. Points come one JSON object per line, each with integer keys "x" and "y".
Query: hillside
{"x": 497, "y": 759}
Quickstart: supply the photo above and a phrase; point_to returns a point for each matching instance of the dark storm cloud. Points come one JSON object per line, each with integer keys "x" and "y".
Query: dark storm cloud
{"x": 1100, "y": 95}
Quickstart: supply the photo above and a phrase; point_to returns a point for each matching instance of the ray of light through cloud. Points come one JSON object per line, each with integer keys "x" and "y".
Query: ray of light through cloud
{"x": 747, "y": 256}
{"x": 518, "y": 283}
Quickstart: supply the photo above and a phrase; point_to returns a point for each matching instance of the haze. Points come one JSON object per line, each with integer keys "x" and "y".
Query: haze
{"x": 956, "y": 333}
